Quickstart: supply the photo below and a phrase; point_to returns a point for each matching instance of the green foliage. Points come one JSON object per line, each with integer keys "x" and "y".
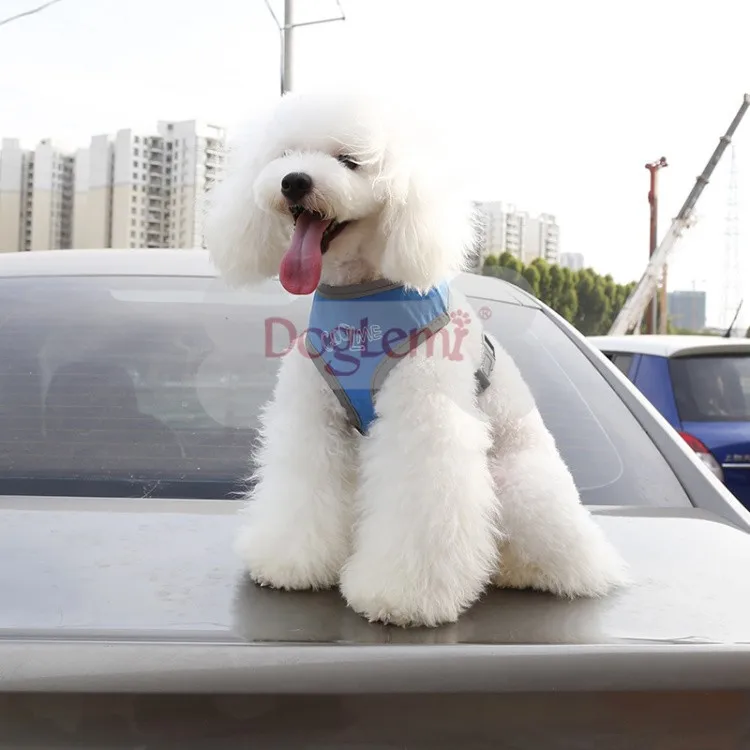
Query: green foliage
{"x": 584, "y": 298}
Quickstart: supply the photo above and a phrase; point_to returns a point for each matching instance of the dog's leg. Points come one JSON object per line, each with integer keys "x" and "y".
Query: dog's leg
{"x": 424, "y": 543}
{"x": 298, "y": 520}
{"x": 551, "y": 542}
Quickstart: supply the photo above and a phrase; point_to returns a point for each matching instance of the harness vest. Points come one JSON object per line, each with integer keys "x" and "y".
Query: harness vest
{"x": 358, "y": 333}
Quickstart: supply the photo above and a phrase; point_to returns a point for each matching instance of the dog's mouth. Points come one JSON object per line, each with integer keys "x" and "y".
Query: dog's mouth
{"x": 302, "y": 264}
{"x": 332, "y": 231}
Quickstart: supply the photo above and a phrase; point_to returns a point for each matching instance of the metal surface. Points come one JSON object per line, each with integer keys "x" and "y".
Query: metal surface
{"x": 197, "y": 263}
{"x": 636, "y": 303}
{"x": 116, "y": 595}
{"x": 670, "y": 345}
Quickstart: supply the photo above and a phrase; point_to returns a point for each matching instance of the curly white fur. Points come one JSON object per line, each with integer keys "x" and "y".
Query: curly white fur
{"x": 448, "y": 492}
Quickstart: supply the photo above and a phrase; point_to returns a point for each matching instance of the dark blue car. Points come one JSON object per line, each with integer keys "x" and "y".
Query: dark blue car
{"x": 701, "y": 385}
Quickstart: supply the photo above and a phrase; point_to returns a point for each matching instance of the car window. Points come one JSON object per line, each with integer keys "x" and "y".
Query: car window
{"x": 131, "y": 386}
{"x": 712, "y": 388}
{"x": 146, "y": 386}
{"x": 612, "y": 459}
{"x": 622, "y": 362}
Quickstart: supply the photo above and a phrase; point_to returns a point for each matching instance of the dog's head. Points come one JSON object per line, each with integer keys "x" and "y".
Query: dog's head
{"x": 340, "y": 189}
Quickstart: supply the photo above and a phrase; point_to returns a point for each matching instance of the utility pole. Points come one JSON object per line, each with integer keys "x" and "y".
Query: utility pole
{"x": 286, "y": 47}
{"x": 285, "y": 32}
{"x": 653, "y": 201}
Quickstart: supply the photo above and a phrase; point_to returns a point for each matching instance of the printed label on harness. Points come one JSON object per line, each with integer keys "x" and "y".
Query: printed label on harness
{"x": 346, "y": 348}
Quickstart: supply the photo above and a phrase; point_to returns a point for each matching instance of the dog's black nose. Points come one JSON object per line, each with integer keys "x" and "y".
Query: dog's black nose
{"x": 295, "y": 186}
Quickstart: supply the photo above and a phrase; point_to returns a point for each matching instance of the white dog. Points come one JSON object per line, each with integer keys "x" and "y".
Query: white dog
{"x": 446, "y": 487}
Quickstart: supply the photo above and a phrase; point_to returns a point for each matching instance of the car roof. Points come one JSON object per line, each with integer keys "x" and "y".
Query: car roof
{"x": 670, "y": 345}
{"x": 194, "y": 263}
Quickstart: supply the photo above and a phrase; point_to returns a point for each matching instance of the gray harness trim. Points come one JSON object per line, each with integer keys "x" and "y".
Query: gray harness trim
{"x": 482, "y": 375}
{"x": 335, "y": 386}
{"x": 353, "y": 291}
{"x": 386, "y": 365}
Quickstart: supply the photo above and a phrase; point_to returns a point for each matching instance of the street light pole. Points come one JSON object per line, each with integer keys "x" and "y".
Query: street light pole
{"x": 653, "y": 201}
{"x": 286, "y": 47}
{"x": 286, "y": 27}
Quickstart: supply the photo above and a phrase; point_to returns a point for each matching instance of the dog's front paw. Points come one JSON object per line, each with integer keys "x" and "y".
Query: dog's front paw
{"x": 280, "y": 564}
{"x": 396, "y": 603}
{"x": 592, "y": 572}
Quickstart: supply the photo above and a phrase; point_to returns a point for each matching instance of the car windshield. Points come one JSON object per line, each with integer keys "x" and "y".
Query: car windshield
{"x": 152, "y": 386}
{"x": 712, "y": 388}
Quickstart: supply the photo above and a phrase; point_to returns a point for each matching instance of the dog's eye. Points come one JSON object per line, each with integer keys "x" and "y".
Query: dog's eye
{"x": 347, "y": 161}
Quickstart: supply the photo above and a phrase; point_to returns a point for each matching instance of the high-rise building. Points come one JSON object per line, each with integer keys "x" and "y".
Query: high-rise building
{"x": 36, "y": 197}
{"x": 573, "y": 261}
{"x": 92, "y": 202}
{"x": 14, "y": 163}
{"x": 199, "y": 158}
{"x": 147, "y": 190}
{"x": 130, "y": 190}
{"x": 542, "y": 238}
{"x": 503, "y": 228}
{"x": 687, "y": 310}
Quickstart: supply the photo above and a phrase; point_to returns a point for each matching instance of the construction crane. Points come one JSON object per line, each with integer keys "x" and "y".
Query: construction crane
{"x": 630, "y": 316}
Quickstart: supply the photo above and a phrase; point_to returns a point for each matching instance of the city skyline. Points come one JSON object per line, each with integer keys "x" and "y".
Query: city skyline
{"x": 133, "y": 189}
{"x": 129, "y": 189}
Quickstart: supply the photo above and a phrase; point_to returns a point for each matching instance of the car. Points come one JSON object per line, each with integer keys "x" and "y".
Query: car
{"x": 130, "y": 387}
{"x": 701, "y": 385}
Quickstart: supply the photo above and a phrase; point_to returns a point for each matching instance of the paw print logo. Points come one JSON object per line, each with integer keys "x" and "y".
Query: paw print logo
{"x": 460, "y": 318}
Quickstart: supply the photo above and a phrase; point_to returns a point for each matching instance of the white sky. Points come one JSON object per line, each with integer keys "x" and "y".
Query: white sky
{"x": 558, "y": 105}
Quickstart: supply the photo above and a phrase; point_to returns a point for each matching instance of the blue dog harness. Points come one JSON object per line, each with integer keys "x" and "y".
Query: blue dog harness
{"x": 358, "y": 333}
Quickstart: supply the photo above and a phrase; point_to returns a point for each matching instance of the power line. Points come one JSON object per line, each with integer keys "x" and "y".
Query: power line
{"x": 31, "y": 12}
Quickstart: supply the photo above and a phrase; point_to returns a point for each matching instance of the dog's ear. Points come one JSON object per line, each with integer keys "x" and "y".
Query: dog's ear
{"x": 245, "y": 242}
{"x": 428, "y": 225}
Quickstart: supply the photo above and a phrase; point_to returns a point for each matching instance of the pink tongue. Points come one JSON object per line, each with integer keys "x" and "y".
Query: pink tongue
{"x": 302, "y": 264}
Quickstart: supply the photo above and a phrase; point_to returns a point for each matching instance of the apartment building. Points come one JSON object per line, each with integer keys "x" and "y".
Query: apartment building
{"x": 504, "y": 228}
{"x": 573, "y": 261}
{"x": 36, "y": 197}
{"x": 198, "y": 163}
{"x": 92, "y": 202}
{"x": 147, "y": 190}
{"x": 542, "y": 239}
{"x": 130, "y": 190}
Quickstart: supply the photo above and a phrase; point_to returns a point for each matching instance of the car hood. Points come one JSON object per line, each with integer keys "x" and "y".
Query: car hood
{"x": 164, "y": 571}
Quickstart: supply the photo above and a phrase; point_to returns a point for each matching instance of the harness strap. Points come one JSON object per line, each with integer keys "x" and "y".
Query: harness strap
{"x": 483, "y": 374}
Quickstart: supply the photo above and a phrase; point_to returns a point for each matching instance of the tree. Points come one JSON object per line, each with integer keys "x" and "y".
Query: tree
{"x": 533, "y": 278}
{"x": 593, "y": 305}
{"x": 546, "y": 291}
{"x": 567, "y": 303}
{"x": 584, "y": 298}
{"x": 506, "y": 260}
